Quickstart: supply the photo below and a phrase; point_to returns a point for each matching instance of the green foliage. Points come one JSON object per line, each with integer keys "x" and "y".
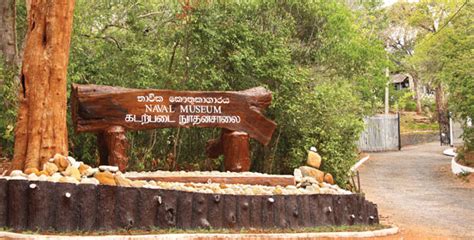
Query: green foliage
{"x": 445, "y": 56}
{"x": 328, "y": 117}
{"x": 322, "y": 61}
{"x": 324, "y": 69}
{"x": 7, "y": 108}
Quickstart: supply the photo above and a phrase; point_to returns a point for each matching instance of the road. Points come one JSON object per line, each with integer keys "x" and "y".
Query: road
{"x": 416, "y": 191}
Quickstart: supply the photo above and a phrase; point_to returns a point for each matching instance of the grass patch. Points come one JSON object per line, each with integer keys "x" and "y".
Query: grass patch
{"x": 154, "y": 231}
{"x": 410, "y": 123}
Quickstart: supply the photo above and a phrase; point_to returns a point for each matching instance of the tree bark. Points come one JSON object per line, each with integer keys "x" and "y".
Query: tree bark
{"x": 235, "y": 147}
{"x": 8, "y": 31}
{"x": 113, "y": 146}
{"x": 41, "y": 128}
{"x": 417, "y": 93}
{"x": 442, "y": 109}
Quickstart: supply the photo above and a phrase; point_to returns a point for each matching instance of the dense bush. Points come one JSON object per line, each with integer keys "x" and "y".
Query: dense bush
{"x": 7, "y": 108}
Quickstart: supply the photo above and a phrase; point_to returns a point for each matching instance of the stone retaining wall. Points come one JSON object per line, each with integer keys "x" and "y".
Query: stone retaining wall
{"x": 418, "y": 138}
{"x": 37, "y": 205}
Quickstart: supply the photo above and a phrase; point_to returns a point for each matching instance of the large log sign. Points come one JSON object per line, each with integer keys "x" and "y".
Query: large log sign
{"x": 110, "y": 111}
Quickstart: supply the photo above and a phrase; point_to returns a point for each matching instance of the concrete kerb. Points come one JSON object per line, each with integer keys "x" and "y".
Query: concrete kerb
{"x": 457, "y": 168}
{"x": 188, "y": 236}
{"x": 449, "y": 152}
{"x": 359, "y": 163}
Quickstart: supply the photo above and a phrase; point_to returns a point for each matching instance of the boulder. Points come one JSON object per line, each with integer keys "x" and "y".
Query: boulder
{"x": 83, "y": 169}
{"x": 90, "y": 181}
{"x": 106, "y": 178}
{"x": 312, "y": 172}
{"x": 17, "y": 173}
{"x": 121, "y": 181}
{"x": 61, "y": 161}
{"x": 50, "y": 168}
{"x": 298, "y": 175}
{"x": 68, "y": 180}
{"x": 314, "y": 160}
{"x": 72, "y": 172}
{"x": 328, "y": 178}
{"x": 138, "y": 183}
{"x": 91, "y": 171}
{"x": 108, "y": 168}
{"x": 29, "y": 171}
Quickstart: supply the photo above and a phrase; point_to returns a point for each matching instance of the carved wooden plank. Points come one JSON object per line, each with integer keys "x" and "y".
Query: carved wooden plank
{"x": 3, "y": 202}
{"x": 147, "y": 208}
{"x": 18, "y": 204}
{"x": 106, "y": 207}
{"x": 243, "y": 211}
{"x": 322, "y": 209}
{"x": 280, "y": 218}
{"x": 282, "y": 180}
{"x": 305, "y": 206}
{"x": 65, "y": 200}
{"x": 87, "y": 206}
{"x": 256, "y": 213}
{"x": 41, "y": 205}
{"x": 167, "y": 210}
{"x": 126, "y": 211}
{"x": 216, "y": 207}
{"x": 114, "y": 206}
{"x": 344, "y": 213}
{"x": 293, "y": 212}
{"x": 230, "y": 211}
{"x": 185, "y": 208}
{"x": 96, "y": 108}
{"x": 268, "y": 211}
{"x": 199, "y": 214}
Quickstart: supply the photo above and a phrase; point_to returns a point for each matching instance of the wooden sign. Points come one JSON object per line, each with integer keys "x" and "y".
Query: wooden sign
{"x": 95, "y": 108}
{"x": 110, "y": 111}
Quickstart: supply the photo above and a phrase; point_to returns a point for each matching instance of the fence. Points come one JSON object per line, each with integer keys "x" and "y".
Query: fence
{"x": 382, "y": 133}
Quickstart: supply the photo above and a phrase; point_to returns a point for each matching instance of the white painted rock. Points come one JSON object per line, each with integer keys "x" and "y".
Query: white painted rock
{"x": 90, "y": 181}
{"x": 18, "y": 178}
{"x": 91, "y": 171}
{"x": 16, "y": 173}
{"x": 298, "y": 175}
{"x": 71, "y": 160}
{"x": 32, "y": 177}
{"x": 43, "y": 178}
{"x": 108, "y": 168}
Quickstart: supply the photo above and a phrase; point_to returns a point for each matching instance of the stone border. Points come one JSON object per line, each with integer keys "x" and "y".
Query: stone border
{"x": 449, "y": 152}
{"x": 457, "y": 168}
{"x": 359, "y": 163}
{"x": 188, "y": 236}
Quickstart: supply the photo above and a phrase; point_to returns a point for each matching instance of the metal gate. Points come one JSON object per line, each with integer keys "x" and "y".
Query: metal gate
{"x": 382, "y": 133}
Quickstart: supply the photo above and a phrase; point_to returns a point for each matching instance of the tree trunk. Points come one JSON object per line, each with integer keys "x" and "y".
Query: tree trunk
{"x": 442, "y": 109}
{"x": 8, "y": 31}
{"x": 41, "y": 124}
{"x": 417, "y": 93}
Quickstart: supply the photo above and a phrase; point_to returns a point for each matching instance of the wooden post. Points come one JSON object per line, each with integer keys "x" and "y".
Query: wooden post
{"x": 235, "y": 147}
{"x": 113, "y": 146}
{"x": 236, "y": 150}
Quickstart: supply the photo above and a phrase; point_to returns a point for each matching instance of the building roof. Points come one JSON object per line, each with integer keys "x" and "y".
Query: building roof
{"x": 398, "y": 78}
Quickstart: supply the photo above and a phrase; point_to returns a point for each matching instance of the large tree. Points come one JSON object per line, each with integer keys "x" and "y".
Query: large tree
{"x": 430, "y": 17}
{"x": 41, "y": 124}
{"x": 7, "y": 30}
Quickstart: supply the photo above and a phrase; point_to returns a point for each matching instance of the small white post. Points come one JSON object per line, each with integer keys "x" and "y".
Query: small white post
{"x": 451, "y": 133}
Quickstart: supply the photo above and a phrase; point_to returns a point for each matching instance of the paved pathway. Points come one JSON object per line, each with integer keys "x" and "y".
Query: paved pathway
{"x": 415, "y": 190}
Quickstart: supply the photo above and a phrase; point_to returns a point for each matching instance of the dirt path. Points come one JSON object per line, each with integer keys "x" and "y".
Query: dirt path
{"x": 415, "y": 190}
